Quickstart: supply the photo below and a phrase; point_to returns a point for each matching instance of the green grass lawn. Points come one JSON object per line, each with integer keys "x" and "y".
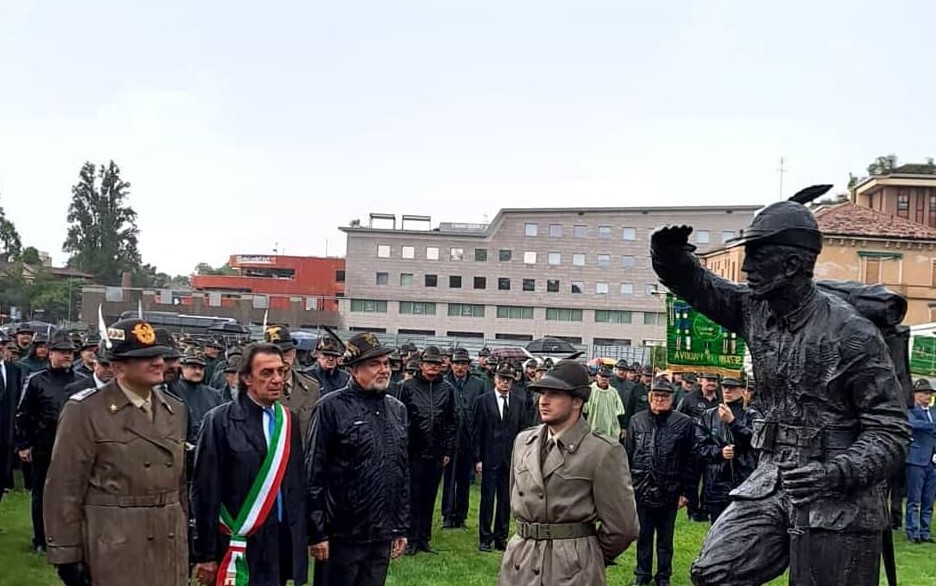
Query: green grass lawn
{"x": 458, "y": 564}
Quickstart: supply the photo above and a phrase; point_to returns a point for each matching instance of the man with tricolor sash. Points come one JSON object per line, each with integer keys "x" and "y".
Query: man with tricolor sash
{"x": 248, "y": 489}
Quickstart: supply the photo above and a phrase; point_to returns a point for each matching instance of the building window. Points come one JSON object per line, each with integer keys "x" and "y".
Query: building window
{"x": 406, "y": 279}
{"x": 382, "y": 278}
{"x": 604, "y": 261}
{"x": 578, "y": 286}
{"x": 578, "y": 259}
{"x": 368, "y": 306}
{"x": 432, "y": 253}
{"x": 457, "y": 254}
{"x": 652, "y": 318}
{"x": 627, "y": 288}
{"x": 604, "y": 232}
{"x": 432, "y": 280}
{"x": 465, "y": 310}
{"x": 727, "y": 235}
{"x": 383, "y": 251}
{"x": 630, "y": 234}
{"x": 580, "y": 231}
{"x": 408, "y": 251}
{"x": 480, "y": 254}
{"x": 555, "y": 258}
{"x": 903, "y": 204}
{"x": 529, "y": 257}
{"x": 503, "y": 284}
{"x": 555, "y": 230}
{"x": 601, "y": 288}
{"x": 703, "y": 237}
{"x": 611, "y": 342}
{"x": 417, "y": 308}
{"x": 628, "y": 262}
{"x": 650, "y": 288}
{"x": 612, "y": 316}
{"x": 504, "y": 255}
{"x": 514, "y": 337}
{"x": 529, "y": 284}
{"x": 480, "y": 282}
{"x": 933, "y": 274}
{"x": 872, "y": 273}
{"x": 561, "y": 314}
{"x": 530, "y": 229}
{"x": 552, "y": 286}
{"x": 932, "y": 209}
{"x": 455, "y": 281}
{"x": 339, "y": 276}
{"x": 514, "y": 312}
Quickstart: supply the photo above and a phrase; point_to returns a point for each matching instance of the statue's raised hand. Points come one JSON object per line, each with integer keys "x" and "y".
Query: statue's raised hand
{"x": 671, "y": 237}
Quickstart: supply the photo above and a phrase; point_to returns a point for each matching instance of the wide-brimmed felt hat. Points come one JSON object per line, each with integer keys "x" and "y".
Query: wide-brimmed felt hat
{"x": 133, "y": 338}
{"x": 731, "y": 382}
{"x": 89, "y": 341}
{"x": 23, "y": 329}
{"x": 233, "y": 363}
{"x": 603, "y": 370}
{"x": 623, "y": 364}
{"x": 412, "y": 365}
{"x": 364, "y": 346}
{"x": 461, "y": 355}
{"x": 193, "y": 357}
{"x": 329, "y": 346}
{"x": 922, "y": 385}
{"x": 661, "y": 385}
{"x": 504, "y": 369}
{"x": 280, "y": 336}
{"x": 567, "y": 375}
{"x": 431, "y": 354}
{"x": 60, "y": 340}
{"x": 213, "y": 343}
{"x": 164, "y": 338}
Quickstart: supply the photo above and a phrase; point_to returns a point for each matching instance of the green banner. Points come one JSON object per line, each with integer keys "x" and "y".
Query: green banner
{"x": 697, "y": 344}
{"x": 923, "y": 356}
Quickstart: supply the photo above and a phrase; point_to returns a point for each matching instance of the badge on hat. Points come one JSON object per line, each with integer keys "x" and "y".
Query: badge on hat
{"x": 144, "y": 333}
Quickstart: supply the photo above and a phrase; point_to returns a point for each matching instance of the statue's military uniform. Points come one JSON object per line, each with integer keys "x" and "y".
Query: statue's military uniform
{"x": 829, "y": 395}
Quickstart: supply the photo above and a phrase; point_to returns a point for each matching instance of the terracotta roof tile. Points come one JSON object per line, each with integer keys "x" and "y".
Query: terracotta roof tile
{"x": 849, "y": 219}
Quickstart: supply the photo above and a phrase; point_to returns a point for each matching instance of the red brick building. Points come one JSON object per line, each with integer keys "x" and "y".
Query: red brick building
{"x": 319, "y": 281}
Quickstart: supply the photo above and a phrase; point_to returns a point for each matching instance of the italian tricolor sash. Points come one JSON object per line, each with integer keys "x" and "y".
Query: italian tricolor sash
{"x": 260, "y": 500}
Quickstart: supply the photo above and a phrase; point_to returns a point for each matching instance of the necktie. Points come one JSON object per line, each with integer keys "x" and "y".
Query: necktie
{"x": 553, "y": 455}
{"x": 929, "y": 416}
{"x": 270, "y": 421}
{"x": 147, "y": 408}
{"x": 503, "y": 410}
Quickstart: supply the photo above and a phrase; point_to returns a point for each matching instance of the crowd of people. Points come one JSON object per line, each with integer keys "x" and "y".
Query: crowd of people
{"x": 163, "y": 459}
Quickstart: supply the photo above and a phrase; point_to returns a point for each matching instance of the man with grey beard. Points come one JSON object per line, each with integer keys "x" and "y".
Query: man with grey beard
{"x": 357, "y": 472}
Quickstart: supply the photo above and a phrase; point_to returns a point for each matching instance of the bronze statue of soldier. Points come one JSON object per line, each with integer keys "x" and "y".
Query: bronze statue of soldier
{"x": 834, "y": 424}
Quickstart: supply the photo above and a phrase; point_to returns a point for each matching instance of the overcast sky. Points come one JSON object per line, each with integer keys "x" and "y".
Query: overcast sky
{"x": 245, "y": 124}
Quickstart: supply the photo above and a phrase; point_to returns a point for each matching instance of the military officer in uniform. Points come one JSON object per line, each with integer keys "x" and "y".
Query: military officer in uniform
{"x": 570, "y": 492}
{"x": 115, "y": 497}
{"x": 300, "y": 391}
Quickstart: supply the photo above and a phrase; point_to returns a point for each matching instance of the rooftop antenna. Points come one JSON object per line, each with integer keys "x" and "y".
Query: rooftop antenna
{"x": 780, "y": 171}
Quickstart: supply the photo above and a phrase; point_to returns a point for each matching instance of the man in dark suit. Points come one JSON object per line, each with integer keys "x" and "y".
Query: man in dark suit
{"x": 921, "y": 467}
{"x": 498, "y": 417}
{"x": 11, "y": 383}
{"x": 457, "y": 477}
{"x": 239, "y": 442}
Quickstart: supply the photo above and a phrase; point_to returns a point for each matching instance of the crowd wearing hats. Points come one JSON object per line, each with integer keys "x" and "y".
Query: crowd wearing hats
{"x": 462, "y": 414}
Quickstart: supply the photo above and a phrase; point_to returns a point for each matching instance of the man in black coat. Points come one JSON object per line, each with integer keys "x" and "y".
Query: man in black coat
{"x": 326, "y": 372}
{"x": 357, "y": 473}
{"x": 87, "y": 350}
{"x": 723, "y": 443}
{"x": 232, "y": 447}
{"x": 457, "y": 478}
{"x": 498, "y": 417}
{"x": 430, "y": 406}
{"x": 694, "y": 404}
{"x": 198, "y": 397}
{"x": 37, "y": 417}
{"x": 11, "y": 385}
{"x": 660, "y": 449}
{"x": 101, "y": 374}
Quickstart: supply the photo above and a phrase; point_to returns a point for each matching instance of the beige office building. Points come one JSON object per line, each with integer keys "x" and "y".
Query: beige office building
{"x": 583, "y": 275}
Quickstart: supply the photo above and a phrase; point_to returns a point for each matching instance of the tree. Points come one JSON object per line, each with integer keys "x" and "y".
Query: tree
{"x": 102, "y": 232}
{"x": 204, "y": 268}
{"x": 10, "y": 243}
{"x": 31, "y": 256}
{"x": 883, "y": 165}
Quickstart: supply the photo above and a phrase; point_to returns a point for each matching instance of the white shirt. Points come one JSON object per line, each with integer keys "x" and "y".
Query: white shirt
{"x": 3, "y": 378}
{"x": 98, "y": 383}
{"x": 502, "y": 402}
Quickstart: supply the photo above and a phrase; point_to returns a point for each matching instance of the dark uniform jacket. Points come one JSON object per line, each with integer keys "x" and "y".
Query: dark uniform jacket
{"x": 230, "y": 451}
{"x": 720, "y": 476}
{"x": 38, "y": 412}
{"x": 115, "y": 494}
{"x": 494, "y": 437}
{"x": 30, "y": 364}
{"x": 82, "y": 370}
{"x": 637, "y": 401}
{"x": 660, "y": 450}
{"x": 471, "y": 388}
{"x": 329, "y": 381}
{"x": 9, "y": 399}
{"x": 694, "y": 404}
{"x": 826, "y": 387}
{"x": 357, "y": 468}
{"x": 199, "y": 399}
{"x": 431, "y": 410}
